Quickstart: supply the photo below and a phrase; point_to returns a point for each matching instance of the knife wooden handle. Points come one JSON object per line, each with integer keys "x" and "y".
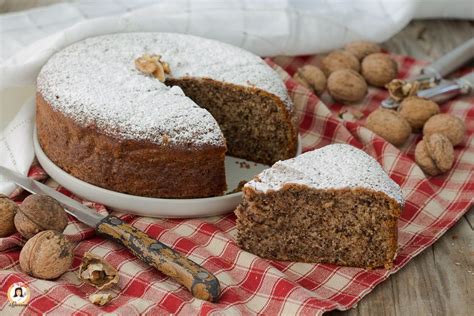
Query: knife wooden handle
{"x": 200, "y": 282}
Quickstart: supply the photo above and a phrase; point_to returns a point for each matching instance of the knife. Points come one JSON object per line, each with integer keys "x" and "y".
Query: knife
{"x": 434, "y": 73}
{"x": 201, "y": 283}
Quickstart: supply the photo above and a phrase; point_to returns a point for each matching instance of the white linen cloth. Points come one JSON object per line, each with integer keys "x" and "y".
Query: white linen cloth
{"x": 267, "y": 28}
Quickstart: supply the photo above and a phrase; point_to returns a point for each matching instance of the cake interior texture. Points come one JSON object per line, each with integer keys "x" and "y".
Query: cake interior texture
{"x": 255, "y": 123}
{"x": 350, "y": 227}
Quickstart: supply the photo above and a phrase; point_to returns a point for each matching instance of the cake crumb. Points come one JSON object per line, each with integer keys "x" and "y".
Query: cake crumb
{"x": 239, "y": 187}
{"x": 244, "y": 164}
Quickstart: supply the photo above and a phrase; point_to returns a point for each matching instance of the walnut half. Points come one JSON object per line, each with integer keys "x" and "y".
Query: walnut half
{"x": 153, "y": 65}
{"x": 97, "y": 272}
{"x": 100, "y": 298}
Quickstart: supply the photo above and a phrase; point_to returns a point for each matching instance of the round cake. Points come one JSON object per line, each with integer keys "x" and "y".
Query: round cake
{"x": 107, "y": 122}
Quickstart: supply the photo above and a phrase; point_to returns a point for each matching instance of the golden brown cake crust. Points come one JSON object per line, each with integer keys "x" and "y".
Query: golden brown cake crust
{"x": 129, "y": 166}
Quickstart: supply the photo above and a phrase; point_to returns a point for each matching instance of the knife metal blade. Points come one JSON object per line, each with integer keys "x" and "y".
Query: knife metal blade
{"x": 76, "y": 209}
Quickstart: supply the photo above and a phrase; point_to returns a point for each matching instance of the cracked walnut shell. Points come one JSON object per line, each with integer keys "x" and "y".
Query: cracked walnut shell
{"x": 340, "y": 59}
{"x": 38, "y": 213}
{"x": 312, "y": 78}
{"x": 401, "y": 89}
{"x": 417, "y": 111}
{"x": 8, "y": 209}
{"x": 360, "y": 49}
{"x": 389, "y": 125}
{"x": 47, "y": 255}
{"x": 346, "y": 85}
{"x": 434, "y": 154}
{"x": 379, "y": 69}
{"x": 451, "y": 126}
{"x": 97, "y": 272}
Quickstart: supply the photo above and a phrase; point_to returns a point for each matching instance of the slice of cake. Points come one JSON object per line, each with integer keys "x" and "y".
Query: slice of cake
{"x": 331, "y": 205}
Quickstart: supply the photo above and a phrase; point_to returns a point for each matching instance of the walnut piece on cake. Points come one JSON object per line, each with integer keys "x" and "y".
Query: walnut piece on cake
{"x": 153, "y": 65}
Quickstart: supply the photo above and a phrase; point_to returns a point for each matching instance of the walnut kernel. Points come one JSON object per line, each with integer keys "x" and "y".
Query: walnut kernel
{"x": 153, "y": 65}
{"x": 146, "y": 63}
{"x": 100, "y": 298}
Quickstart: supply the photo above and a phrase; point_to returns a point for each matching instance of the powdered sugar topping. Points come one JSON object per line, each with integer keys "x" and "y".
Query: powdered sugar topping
{"x": 336, "y": 166}
{"x": 95, "y": 83}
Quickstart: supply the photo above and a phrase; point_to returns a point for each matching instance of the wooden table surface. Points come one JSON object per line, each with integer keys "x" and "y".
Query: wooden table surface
{"x": 440, "y": 280}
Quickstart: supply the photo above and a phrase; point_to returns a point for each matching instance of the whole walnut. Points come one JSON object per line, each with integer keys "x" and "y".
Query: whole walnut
{"x": 340, "y": 59}
{"x": 417, "y": 111}
{"x": 389, "y": 125}
{"x": 38, "y": 213}
{"x": 47, "y": 255}
{"x": 360, "y": 49}
{"x": 8, "y": 209}
{"x": 451, "y": 126}
{"x": 312, "y": 78}
{"x": 346, "y": 85}
{"x": 434, "y": 154}
{"x": 379, "y": 69}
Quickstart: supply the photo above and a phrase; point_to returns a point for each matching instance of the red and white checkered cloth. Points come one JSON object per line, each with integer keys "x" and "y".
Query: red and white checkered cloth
{"x": 251, "y": 285}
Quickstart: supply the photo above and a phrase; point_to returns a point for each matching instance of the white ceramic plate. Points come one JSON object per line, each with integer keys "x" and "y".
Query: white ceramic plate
{"x": 236, "y": 170}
